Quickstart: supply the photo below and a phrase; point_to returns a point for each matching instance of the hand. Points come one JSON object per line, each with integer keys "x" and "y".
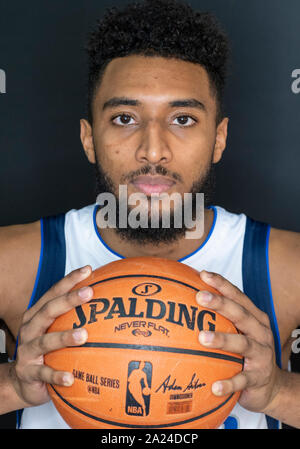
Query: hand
{"x": 30, "y": 374}
{"x": 259, "y": 380}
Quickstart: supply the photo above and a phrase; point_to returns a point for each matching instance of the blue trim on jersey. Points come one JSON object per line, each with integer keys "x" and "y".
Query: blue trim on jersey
{"x": 179, "y": 260}
{"x": 256, "y": 281}
{"x": 36, "y": 279}
{"x": 274, "y": 319}
{"x": 99, "y": 235}
{"x": 208, "y": 236}
{"x": 19, "y": 412}
{"x": 255, "y": 268}
{"x": 51, "y": 264}
{"x": 54, "y": 255}
{"x": 40, "y": 265}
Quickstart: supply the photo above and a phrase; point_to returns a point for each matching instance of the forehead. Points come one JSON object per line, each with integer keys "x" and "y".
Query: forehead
{"x": 155, "y": 78}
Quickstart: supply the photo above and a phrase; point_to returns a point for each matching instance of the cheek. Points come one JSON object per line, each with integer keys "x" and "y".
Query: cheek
{"x": 112, "y": 161}
{"x": 195, "y": 160}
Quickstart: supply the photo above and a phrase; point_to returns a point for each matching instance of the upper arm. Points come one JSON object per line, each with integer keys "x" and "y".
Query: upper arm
{"x": 19, "y": 258}
{"x": 284, "y": 259}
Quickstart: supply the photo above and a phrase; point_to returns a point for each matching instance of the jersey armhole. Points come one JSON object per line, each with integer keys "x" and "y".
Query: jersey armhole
{"x": 256, "y": 281}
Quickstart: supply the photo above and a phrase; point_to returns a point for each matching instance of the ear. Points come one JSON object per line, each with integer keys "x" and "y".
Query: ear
{"x": 221, "y": 139}
{"x": 86, "y": 137}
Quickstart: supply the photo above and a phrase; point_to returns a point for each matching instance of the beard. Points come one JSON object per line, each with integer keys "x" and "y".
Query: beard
{"x": 160, "y": 234}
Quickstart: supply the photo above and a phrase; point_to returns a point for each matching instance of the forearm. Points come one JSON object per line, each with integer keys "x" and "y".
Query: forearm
{"x": 286, "y": 404}
{"x": 9, "y": 399}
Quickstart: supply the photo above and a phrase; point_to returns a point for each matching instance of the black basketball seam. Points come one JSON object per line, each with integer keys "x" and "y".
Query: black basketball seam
{"x": 147, "y": 276}
{"x": 214, "y": 355}
{"x": 138, "y": 426}
{"x": 151, "y": 348}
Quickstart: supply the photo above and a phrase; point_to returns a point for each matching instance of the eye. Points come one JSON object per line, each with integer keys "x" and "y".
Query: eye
{"x": 185, "y": 120}
{"x": 122, "y": 119}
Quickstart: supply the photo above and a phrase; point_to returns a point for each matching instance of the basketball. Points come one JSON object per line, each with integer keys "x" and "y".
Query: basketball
{"x": 142, "y": 365}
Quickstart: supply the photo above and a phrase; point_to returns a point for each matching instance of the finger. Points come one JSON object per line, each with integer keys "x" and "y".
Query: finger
{"x": 245, "y": 379}
{"x": 60, "y": 288}
{"x": 229, "y": 290}
{"x": 239, "y": 315}
{"x": 236, "y": 343}
{"x": 45, "y": 374}
{"x": 52, "y": 309}
{"x": 54, "y": 341}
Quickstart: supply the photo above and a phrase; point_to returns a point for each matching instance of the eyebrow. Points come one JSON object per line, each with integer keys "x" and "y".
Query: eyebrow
{"x": 182, "y": 103}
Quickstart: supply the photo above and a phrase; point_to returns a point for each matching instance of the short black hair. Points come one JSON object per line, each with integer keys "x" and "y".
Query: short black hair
{"x": 166, "y": 28}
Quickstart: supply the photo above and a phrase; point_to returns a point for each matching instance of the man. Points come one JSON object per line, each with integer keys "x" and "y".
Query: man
{"x": 156, "y": 78}
{"x": 138, "y": 385}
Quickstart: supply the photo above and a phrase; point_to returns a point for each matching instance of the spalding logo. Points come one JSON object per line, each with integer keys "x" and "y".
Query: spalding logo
{"x": 138, "y": 332}
{"x": 146, "y": 289}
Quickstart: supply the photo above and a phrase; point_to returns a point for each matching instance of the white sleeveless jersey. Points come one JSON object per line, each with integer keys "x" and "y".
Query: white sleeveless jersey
{"x": 236, "y": 248}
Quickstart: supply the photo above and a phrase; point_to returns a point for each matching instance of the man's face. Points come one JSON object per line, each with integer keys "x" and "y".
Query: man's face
{"x": 154, "y": 126}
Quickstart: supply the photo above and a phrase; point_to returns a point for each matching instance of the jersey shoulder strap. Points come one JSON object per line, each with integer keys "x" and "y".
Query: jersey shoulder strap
{"x": 51, "y": 265}
{"x": 256, "y": 280}
{"x": 52, "y": 257}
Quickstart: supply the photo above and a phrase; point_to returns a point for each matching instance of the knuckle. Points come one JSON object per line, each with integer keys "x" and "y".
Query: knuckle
{"x": 23, "y": 332}
{"x": 248, "y": 345}
{"x": 243, "y": 315}
{"x": 55, "y": 290}
{"x": 74, "y": 275}
{"x": 218, "y": 279}
{"x": 265, "y": 319}
{"x": 57, "y": 377}
{"x": 41, "y": 343}
{"x": 47, "y": 310}
{"x": 65, "y": 338}
{"x": 19, "y": 370}
{"x": 269, "y": 355}
{"x": 39, "y": 371}
{"x": 19, "y": 357}
{"x": 26, "y": 316}
{"x": 269, "y": 338}
{"x": 220, "y": 300}
{"x": 72, "y": 297}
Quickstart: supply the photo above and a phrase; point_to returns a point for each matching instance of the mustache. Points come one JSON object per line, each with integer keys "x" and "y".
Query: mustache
{"x": 151, "y": 170}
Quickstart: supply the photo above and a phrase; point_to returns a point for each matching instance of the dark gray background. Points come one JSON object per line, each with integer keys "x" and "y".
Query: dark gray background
{"x": 43, "y": 169}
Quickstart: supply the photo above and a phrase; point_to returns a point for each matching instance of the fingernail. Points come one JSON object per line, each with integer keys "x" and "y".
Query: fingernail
{"x": 217, "y": 388}
{"x": 206, "y": 337}
{"x": 206, "y": 275}
{"x": 80, "y": 335}
{"x": 85, "y": 292}
{"x": 68, "y": 379}
{"x": 84, "y": 270}
{"x": 204, "y": 297}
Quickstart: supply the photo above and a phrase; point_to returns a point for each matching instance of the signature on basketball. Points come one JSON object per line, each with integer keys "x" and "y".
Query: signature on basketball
{"x": 169, "y": 385}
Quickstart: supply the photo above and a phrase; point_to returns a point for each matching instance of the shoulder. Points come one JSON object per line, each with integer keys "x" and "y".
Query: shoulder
{"x": 19, "y": 258}
{"x": 284, "y": 247}
{"x": 284, "y": 261}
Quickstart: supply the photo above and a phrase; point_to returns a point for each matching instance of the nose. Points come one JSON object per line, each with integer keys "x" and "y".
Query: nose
{"x": 153, "y": 147}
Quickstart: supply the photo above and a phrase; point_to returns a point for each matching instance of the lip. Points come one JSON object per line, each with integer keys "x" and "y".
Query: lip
{"x": 153, "y": 184}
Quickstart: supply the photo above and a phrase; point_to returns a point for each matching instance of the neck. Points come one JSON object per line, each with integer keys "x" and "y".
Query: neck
{"x": 174, "y": 251}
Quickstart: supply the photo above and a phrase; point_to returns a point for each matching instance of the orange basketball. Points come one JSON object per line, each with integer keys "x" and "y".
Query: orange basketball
{"x": 142, "y": 365}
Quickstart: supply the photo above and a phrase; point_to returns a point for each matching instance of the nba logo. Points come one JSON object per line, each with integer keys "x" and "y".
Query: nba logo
{"x": 138, "y": 388}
